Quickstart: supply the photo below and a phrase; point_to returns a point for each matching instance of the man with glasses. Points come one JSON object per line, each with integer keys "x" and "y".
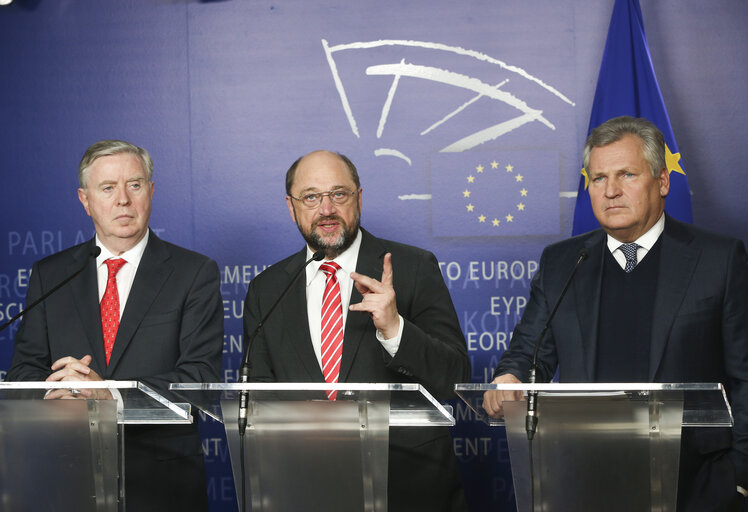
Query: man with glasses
{"x": 372, "y": 311}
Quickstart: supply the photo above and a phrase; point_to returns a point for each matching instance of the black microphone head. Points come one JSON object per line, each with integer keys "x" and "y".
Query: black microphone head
{"x": 95, "y": 251}
{"x": 318, "y": 256}
{"x": 583, "y": 253}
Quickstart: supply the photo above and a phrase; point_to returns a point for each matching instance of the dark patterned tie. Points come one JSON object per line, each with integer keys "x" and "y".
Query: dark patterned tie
{"x": 110, "y": 307}
{"x": 332, "y": 326}
{"x": 629, "y": 251}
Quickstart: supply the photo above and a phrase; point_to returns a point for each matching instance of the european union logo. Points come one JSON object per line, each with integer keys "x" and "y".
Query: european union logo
{"x": 427, "y": 95}
{"x": 507, "y": 193}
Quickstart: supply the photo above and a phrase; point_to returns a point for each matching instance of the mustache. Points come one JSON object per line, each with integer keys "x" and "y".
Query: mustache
{"x": 326, "y": 219}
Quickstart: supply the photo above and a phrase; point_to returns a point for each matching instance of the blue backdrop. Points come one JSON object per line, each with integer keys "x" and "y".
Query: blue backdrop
{"x": 466, "y": 120}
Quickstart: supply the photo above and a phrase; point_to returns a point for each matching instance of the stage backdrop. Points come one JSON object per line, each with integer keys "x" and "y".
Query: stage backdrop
{"x": 466, "y": 120}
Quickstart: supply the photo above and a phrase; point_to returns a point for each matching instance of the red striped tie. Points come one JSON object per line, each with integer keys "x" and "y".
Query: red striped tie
{"x": 332, "y": 326}
{"x": 110, "y": 307}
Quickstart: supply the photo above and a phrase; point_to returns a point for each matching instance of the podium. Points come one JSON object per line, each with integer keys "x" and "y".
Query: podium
{"x": 61, "y": 455}
{"x": 612, "y": 447}
{"x": 305, "y": 452}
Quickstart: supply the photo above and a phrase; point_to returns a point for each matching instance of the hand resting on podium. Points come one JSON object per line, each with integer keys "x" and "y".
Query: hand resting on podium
{"x": 493, "y": 400}
{"x": 71, "y": 369}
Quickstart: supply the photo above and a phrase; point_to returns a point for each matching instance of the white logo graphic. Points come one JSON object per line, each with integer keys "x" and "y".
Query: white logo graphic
{"x": 397, "y": 70}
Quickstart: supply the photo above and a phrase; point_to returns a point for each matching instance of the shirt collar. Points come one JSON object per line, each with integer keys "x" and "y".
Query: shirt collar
{"x": 347, "y": 259}
{"x": 132, "y": 256}
{"x": 647, "y": 240}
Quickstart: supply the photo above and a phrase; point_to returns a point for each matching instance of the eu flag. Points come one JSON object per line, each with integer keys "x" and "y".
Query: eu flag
{"x": 496, "y": 193}
{"x": 627, "y": 85}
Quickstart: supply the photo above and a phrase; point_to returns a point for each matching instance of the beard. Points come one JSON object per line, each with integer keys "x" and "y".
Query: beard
{"x": 340, "y": 244}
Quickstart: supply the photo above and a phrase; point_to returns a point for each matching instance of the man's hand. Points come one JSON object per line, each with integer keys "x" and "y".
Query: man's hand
{"x": 493, "y": 401}
{"x": 71, "y": 369}
{"x": 379, "y": 299}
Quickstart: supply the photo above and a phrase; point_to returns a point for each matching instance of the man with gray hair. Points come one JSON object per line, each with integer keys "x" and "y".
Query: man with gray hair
{"x": 656, "y": 301}
{"x": 143, "y": 310}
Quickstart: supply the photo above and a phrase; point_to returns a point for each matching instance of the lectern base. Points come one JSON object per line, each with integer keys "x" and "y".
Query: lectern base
{"x": 313, "y": 455}
{"x": 589, "y": 452}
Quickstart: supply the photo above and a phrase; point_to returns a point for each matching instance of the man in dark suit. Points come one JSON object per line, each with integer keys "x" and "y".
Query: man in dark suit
{"x": 398, "y": 322}
{"x": 166, "y": 302}
{"x": 673, "y": 308}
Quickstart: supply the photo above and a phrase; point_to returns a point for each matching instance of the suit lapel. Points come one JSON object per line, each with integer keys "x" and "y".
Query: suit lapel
{"x": 587, "y": 289}
{"x": 677, "y": 263}
{"x": 369, "y": 263}
{"x": 153, "y": 271}
{"x": 85, "y": 295}
{"x": 295, "y": 321}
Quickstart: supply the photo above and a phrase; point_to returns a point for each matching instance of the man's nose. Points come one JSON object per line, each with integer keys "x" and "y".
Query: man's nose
{"x": 612, "y": 188}
{"x": 326, "y": 206}
{"x": 123, "y": 198}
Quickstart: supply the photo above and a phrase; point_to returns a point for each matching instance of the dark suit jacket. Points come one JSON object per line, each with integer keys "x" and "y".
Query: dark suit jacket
{"x": 699, "y": 330}
{"x": 171, "y": 331}
{"x": 432, "y": 352}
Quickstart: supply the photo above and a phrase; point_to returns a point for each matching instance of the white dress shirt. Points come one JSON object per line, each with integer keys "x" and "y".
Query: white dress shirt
{"x": 126, "y": 274}
{"x": 646, "y": 241}
{"x": 315, "y": 288}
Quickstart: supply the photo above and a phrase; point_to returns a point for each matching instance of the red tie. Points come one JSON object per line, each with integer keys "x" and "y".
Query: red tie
{"x": 332, "y": 326}
{"x": 110, "y": 307}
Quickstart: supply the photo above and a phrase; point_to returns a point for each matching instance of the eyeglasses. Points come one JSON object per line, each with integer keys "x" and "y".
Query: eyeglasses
{"x": 338, "y": 197}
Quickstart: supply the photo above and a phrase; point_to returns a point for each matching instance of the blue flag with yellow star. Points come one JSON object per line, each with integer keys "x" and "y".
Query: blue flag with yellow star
{"x": 627, "y": 85}
{"x": 497, "y": 193}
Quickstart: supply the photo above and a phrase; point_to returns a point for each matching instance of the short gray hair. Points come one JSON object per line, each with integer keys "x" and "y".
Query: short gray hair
{"x": 613, "y": 130}
{"x": 110, "y": 147}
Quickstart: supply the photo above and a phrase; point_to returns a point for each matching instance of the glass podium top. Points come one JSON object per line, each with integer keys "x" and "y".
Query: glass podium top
{"x": 410, "y": 404}
{"x": 137, "y": 402}
{"x": 704, "y": 404}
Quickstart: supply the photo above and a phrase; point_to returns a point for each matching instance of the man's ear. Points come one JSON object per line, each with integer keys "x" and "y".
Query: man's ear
{"x": 664, "y": 179}
{"x": 291, "y": 209}
{"x": 83, "y": 198}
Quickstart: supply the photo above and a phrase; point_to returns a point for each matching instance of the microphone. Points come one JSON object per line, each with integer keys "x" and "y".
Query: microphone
{"x": 245, "y": 367}
{"x": 531, "y": 420}
{"x": 93, "y": 253}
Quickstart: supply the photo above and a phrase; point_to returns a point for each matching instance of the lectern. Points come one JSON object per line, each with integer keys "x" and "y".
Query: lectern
{"x": 62, "y": 455}
{"x": 305, "y": 452}
{"x": 611, "y": 447}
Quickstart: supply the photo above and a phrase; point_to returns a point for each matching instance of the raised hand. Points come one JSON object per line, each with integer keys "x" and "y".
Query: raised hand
{"x": 378, "y": 299}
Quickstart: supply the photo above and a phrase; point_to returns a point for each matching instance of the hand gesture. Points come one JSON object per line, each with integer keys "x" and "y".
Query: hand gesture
{"x": 378, "y": 299}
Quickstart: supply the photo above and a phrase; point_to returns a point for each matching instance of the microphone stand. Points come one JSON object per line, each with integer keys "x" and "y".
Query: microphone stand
{"x": 246, "y": 366}
{"x": 531, "y": 420}
{"x": 93, "y": 253}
